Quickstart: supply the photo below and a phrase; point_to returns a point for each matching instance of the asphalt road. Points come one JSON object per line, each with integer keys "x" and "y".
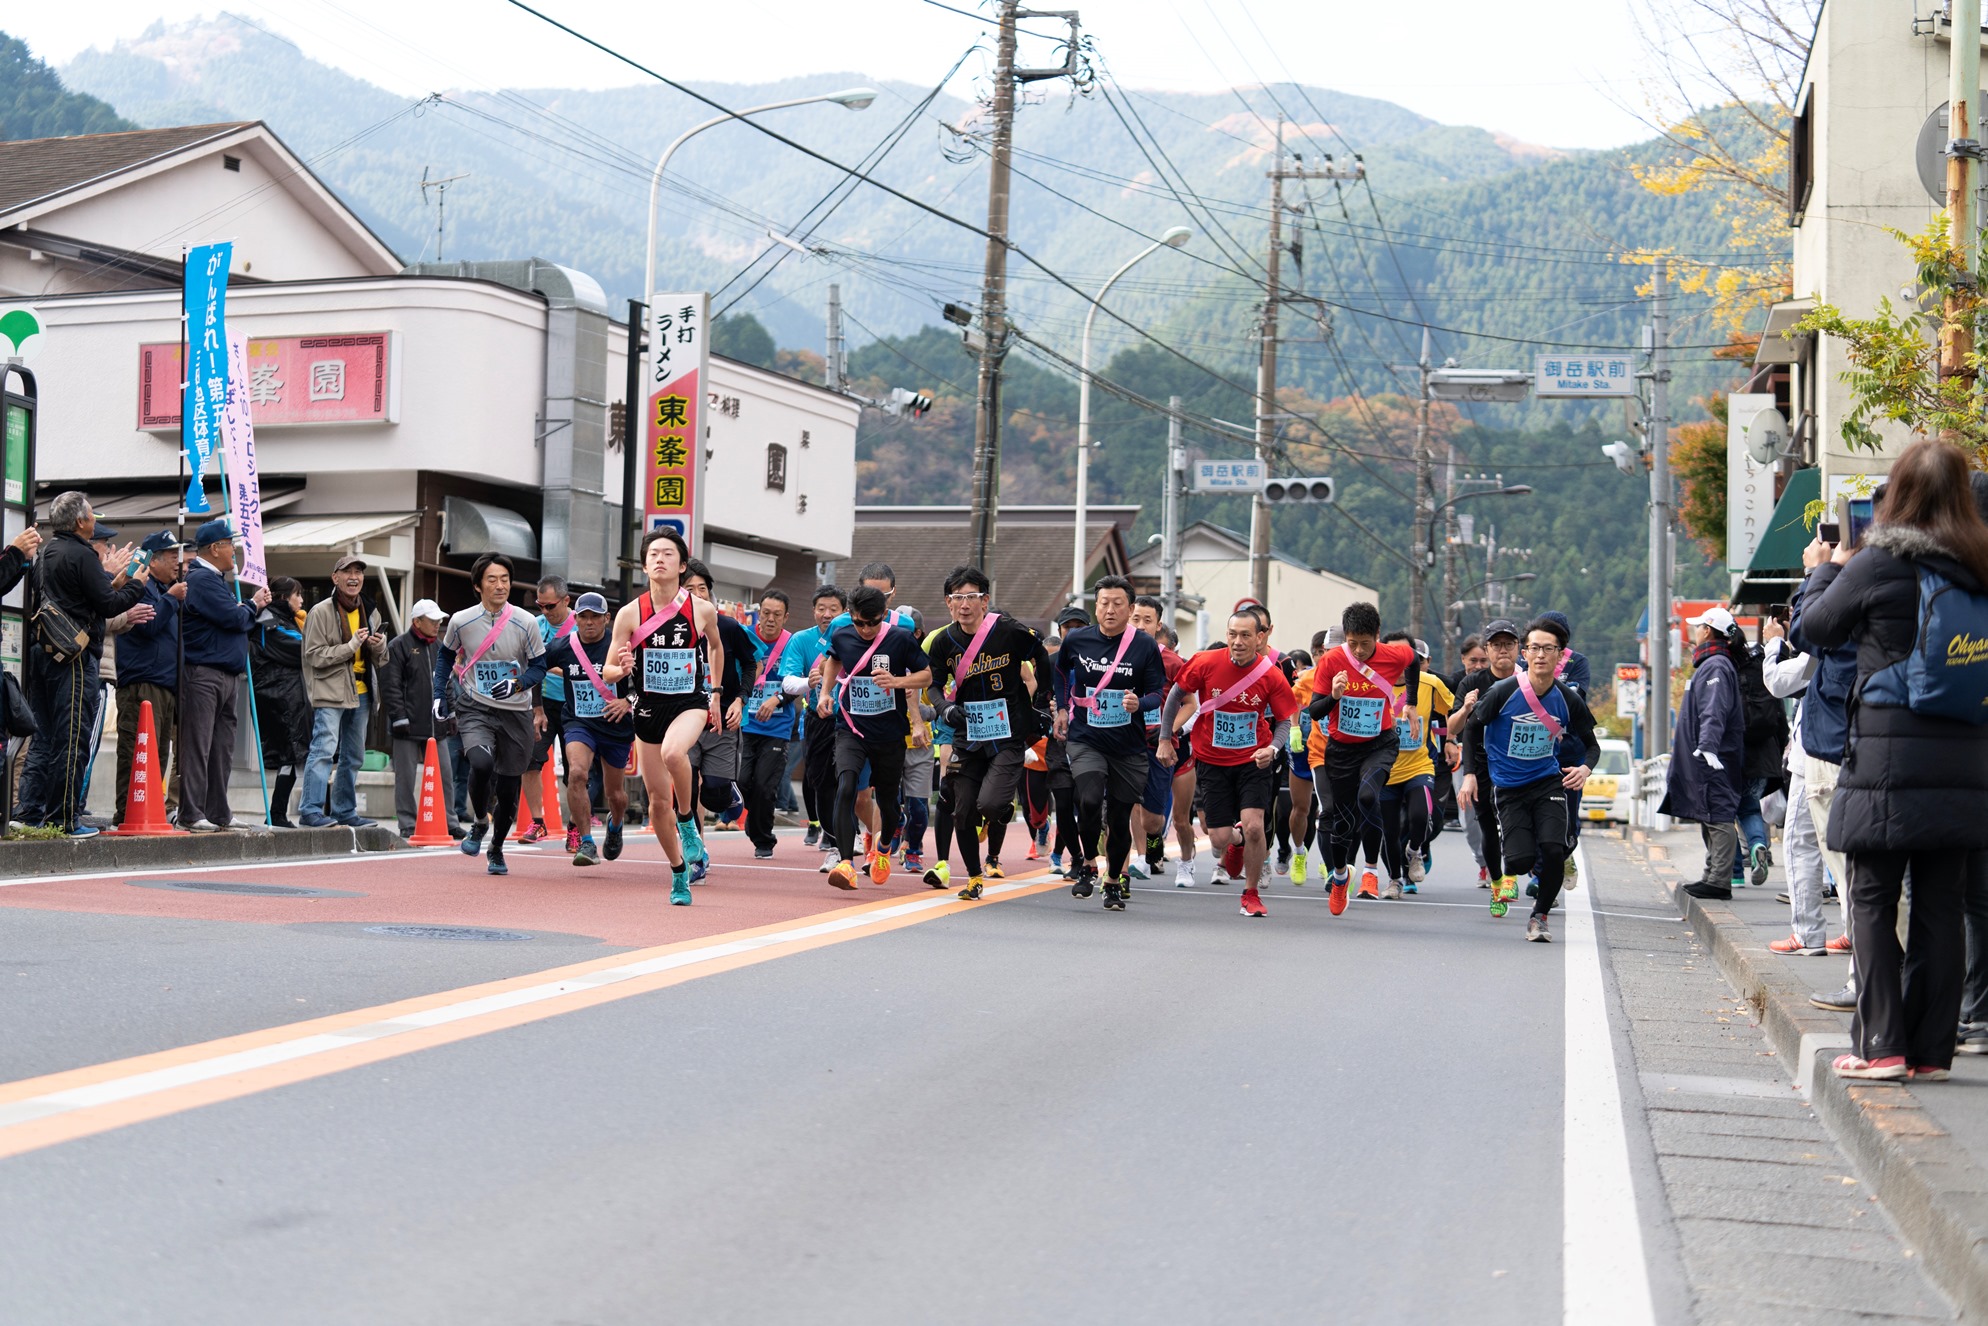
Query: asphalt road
{"x": 1025, "y": 1110}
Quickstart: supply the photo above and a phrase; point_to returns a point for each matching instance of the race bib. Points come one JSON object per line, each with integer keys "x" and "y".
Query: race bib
{"x": 488, "y": 672}
{"x": 761, "y": 694}
{"x": 669, "y": 671}
{"x": 1152, "y": 719}
{"x": 585, "y": 700}
{"x": 1529, "y": 740}
{"x": 867, "y": 699}
{"x": 1360, "y": 715}
{"x": 1108, "y": 709}
{"x": 987, "y": 720}
{"x": 1405, "y": 735}
{"x": 1235, "y": 730}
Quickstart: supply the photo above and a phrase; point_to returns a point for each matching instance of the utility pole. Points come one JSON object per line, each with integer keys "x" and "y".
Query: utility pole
{"x": 1170, "y": 515}
{"x": 1657, "y": 724}
{"x": 832, "y": 372}
{"x": 1425, "y": 502}
{"x": 994, "y": 281}
{"x": 1963, "y": 154}
{"x": 1266, "y": 369}
{"x": 1451, "y": 626}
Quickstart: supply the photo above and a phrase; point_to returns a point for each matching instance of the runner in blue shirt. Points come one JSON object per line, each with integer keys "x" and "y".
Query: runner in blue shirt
{"x": 801, "y": 673}
{"x": 768, "y": 721}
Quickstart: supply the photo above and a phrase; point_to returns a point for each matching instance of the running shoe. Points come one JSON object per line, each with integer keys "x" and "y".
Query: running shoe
{"x": 536, "y": 833}
{"x": 1156, "y": 852}
{"x": 1392, "y": 893}
{"x": 1532, "y": 886}
{"x": 1252, "y": 903}
{"x": 1410, "y": 886}
{"x": 496, "y": 865}
{"x": 1572, "y": 869}
{"x": 1135, "y": 871}
{"x": 611, "y": 845}
{"x": 699, "y": 869}
{"x": 1840, "y": 944}
{"x": 735, "y": 813}
{"x": 1370, "y": 884}
{"x": 1183, "y": 878}
{"x": 1536, "y": 931}
{"x": 813, "y": 835}
{"x": 844, "y": 875}
{"x": 869, "y": 842}
{"x": 1972, "y": 1038}
{"x": 693, "y": 843}
{"x": 880, "y": 868}
{"x": 940, "y": 875}
{"x": 679, "y": 886}
{"x": 1283, "y": 863}
{"x": 1114, "y": 894}
{"x": 1085, "y": 881}
{"x": 971, "y": 893}
{"x": 1299, "y": 867}
{"x": 1506, "y": 889}
{"x": 584, "y": 852}
{"x": 1056, "y": 863}
{"x": 572, "y": 837}
{"x": 1499, "y": 906}
{"x": 1232, "y": 860}
{"x": 1891, "y": 1068}
{"x": 1758, "y": 861}
{"x": 994, "y": 870}
{"x": 1217, "y": 875}
{"x": 472, "y": 842}
{"x": 1793, "y": 945}
{"x": 914, "y": 862}
{"x": 1840, "y": 1001}
{"x": 1483, "y": 878}
{"x": 1035, "y": 852}
{"x": 763, "y": 852}
{"x": 1336, "y": 899}
{"x": 829, "y": 857}
{"x": 1930, "y": 1073}
{"x": 1417, "y": 871}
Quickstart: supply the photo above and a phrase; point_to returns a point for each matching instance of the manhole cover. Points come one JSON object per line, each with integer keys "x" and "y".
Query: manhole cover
{"x": 242, "y": 890}
{"x": 447, "y": 932}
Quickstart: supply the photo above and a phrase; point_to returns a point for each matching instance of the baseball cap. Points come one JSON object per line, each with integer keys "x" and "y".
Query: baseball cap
{"x": 103, "y": 533}
{"x": 590, "y": 602}
{"x": 347, "y": 560}
{"x": 431, "y": 611}
{"x": 1073, "y": 614}
{"x": 161, "y": 542}
{"x": 1501, "y": 626}
{"x": 213, "y": 531}
{"x": 1717, "y": 618}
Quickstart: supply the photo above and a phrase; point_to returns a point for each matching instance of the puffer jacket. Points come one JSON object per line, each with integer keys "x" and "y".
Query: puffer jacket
{"x": 1910, "y": 782}
{"x": 282, "y": 713}
{"x": 1711, "y": 719}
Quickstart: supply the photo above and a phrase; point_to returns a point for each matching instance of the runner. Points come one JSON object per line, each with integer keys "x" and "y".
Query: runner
{"x": 1515, "y": 733}
{"x": 978, "y": 665}
{"x": 871, "y": 669}
{"x": 502, "y": 659}
{"x": 1185, "y": 791}
{"x": 801, "y": 670}
{"x": 1303, "y": 810}
{"x": 878, "y": 576}
{"x": 597, "y": 726}
{"x": 555, "y": 621}
{"x": 1408, "y": 802}
{"x": 946, "y": 770}
{"x": 680, "y": 656}
{"x": 1575, "y": 672}
{"x": 1156, "y": 801}
{"x": 1107, "y": 677}
{"x": 1501, "y": 652}
{"x": 714, "y": 760}
{"x": 1237, "y": 691}
{"x": 915, "y": 791}
{"x": 769, "y": 722}
{"x": 1472, "y": 658}
{"x": 1356, "y": 689}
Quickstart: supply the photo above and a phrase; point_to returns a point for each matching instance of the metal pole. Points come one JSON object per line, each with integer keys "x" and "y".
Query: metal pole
{"x": 1963, "y": 98}
{"x": 1266, "y": 384}
{"x": 832, "y": 371}
{"x": 1170, "y": 514}
{"x": 1659, "y": 428}
{"x": 994, "y": 301}
{"x": 1425, "y": 498}
{"x": 636, "y": 402}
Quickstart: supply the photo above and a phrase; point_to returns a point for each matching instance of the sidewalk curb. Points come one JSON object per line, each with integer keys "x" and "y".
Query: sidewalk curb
{"x": 1932, "y": 1188}
{"x": 74, "y": 856}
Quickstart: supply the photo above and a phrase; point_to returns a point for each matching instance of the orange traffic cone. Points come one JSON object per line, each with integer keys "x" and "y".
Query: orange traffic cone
{"x": 549, "y": 794}
{"x": 431, "y": 825}
{"x": 144, "y": 800}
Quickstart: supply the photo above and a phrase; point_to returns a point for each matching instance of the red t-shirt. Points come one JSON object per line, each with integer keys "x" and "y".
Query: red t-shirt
{"x": 1366, "y": 716}
{"x": 1233, "y": 733}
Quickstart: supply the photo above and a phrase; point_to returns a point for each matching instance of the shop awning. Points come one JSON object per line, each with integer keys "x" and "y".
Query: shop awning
{"x": 470, "y": 529}
{"x": 330, "y": 534}
{"x": 1779, "y": 342}
{"x": 136, "y": 514}
{"x": 1776, "y": 566}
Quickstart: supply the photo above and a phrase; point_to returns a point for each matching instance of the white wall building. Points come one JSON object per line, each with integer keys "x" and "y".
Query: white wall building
{"x": 1214, "y": 568}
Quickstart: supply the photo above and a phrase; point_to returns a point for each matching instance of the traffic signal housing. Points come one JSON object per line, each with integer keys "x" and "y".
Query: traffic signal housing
{"x": 904, "y": 401}
{"x": 1298, "y": 489}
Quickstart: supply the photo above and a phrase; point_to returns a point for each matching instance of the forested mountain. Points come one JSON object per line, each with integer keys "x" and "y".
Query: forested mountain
{"x": 34, "y": 104}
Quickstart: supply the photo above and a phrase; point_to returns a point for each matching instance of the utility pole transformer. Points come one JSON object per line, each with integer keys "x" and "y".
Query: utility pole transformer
{"x": 1963, "y": 157}
{"x": 994, "y": 281}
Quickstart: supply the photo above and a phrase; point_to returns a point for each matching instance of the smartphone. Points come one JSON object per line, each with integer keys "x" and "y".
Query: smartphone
{"x": 1854, "y": 515}
{"x": 1829, "y": 532}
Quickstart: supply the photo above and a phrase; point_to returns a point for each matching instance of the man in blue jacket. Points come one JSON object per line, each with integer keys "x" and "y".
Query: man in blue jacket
{"x": 1708, "y": 751}
{"x": 148, "y": 671}
{"x": 214, "y": 631}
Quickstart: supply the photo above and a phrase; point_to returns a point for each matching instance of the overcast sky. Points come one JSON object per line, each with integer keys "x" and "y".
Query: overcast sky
{"x": 1540, "y": 70}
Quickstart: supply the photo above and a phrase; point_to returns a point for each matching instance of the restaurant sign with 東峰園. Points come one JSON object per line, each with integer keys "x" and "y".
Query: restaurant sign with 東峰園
{"x": 343, "y": 379}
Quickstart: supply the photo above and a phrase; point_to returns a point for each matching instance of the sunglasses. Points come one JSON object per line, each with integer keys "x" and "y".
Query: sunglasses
{"x": 867, "y": 623}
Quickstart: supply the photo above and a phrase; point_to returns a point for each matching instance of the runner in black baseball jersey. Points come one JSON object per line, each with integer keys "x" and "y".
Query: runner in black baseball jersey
{"x": 680, "y": 654}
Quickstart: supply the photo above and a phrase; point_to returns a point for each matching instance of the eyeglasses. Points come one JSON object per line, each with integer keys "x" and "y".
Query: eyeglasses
{"x": 866, "y": 625}
{"x": 965, "y": 597}
{"x": 1542, "y": 649}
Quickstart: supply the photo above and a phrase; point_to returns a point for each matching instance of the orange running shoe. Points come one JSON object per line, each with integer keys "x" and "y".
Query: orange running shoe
{"x": 1370, "y": 886}
{"x": 1336, "y": 901}
{"x": 879, "y": 867}
{"x": 844, "y": 875}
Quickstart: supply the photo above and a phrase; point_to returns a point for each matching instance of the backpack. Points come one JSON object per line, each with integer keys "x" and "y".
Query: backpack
{"x": 1946, "y": 674}
{"x": 1766, "y": 717}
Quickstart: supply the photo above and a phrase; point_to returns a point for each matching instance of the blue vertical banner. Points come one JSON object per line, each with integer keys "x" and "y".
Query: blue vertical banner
{"x": 206, "y": 303}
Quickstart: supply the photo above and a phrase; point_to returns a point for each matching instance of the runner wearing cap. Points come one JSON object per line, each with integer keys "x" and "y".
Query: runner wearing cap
{"x": 555, "y": 622}
{"x": 680, "y": 655}
{"x": 1501, "y": 652}
{"x": 491, "y": 658}
{"x": 1408, "y": 802}
{"x": 873, "y": 668}
{"x": 1515, "y": 733}
{"x": 596, "y": 725}
{"x": 769, "y": 721}
{"x": 1356, "y": 690}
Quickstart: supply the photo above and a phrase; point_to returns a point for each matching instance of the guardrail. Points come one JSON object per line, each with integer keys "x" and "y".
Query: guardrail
{"x": 1646, "y": 793}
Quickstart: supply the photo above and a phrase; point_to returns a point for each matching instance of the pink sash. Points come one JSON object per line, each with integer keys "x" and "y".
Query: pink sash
{"x": 1561, "y": 667}
{"x": 593, "y": 675}
{"x": 467, "y": 666}
{"x": 861, "y": 663}
{"x": 572, "y": 621}
{"x": 1090, "y": 703}
{"x": 966, "y": 660}
{"x": 1539, "y": 710}
{"x": 775, "y": 654}
{"x": 1220, "y": 698}
{"x": 657, "y": 619}
{"x": 1379, "y": 683}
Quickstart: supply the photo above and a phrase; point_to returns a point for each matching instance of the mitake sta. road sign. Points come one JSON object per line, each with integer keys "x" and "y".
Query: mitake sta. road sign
{"x": 1229, "y": 476}
{"x": 1573, "y": 374}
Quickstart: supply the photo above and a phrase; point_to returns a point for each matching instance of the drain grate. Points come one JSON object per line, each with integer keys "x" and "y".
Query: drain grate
{"x": 457, "y": 932}
{"x": 241, "y": 890}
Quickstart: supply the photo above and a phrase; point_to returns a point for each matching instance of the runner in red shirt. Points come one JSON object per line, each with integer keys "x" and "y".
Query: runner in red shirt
{"x": 1234, "y": 743}
{"x": 1357, "y": 686}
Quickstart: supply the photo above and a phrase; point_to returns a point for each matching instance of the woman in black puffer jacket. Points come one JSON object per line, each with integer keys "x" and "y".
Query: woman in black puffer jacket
{"x": 282, "y": 709}
{"x": 1913, "y": 785}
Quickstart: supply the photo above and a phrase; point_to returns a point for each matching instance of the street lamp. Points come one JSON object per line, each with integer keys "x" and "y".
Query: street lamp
{"x": 1509, "y": 490}
{"x": 855, "y": 98}
{"x": 1172, "y": 239}
{"x": 1520, "y": 578}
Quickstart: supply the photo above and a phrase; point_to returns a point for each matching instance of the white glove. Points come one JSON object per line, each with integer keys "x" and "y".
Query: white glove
{"x": 1711, "y": 758}
{"x": 441, "y": 709}
{"x": 504, "y": 688}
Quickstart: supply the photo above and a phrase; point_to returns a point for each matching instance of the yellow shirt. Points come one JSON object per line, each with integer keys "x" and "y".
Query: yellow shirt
{"x": 352, "y": 626}
{"x": 1434, "y": 700}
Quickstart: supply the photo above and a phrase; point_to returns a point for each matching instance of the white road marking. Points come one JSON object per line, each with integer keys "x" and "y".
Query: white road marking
{"x": 1604, "y": 1276}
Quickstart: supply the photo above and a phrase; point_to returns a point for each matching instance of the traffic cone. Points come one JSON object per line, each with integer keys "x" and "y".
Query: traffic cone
{"x": 144, "y": 800}
{"x": 549, "y": 793}
{"x": 431, "y": 825}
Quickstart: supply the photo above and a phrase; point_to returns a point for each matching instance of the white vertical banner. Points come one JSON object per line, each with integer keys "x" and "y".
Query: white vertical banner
{"x": 238, "y": 458}
{"x": 1750, "y": 418}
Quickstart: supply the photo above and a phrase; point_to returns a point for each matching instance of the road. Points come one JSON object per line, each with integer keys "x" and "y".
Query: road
{"x": 792, "y": 1104}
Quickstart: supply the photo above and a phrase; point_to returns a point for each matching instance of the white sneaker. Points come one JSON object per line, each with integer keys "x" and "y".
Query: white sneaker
{"x": 1136, "y": 869}
{"x": 828, "y": 860}
{"x": 1416, "y": 874}
{"x": 1184, "y": 877}
{"x": 1392, "y": 893}
{"x": 203, "y": 826}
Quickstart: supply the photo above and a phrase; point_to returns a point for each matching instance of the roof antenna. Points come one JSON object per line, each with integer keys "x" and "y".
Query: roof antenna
{"x": 441, "y": 188}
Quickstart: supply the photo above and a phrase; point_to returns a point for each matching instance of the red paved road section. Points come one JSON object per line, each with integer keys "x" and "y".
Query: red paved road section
{"x": 625, "y": 902}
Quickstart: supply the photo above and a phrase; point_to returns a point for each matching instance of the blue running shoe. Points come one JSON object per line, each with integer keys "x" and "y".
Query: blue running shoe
{"x": 680, "y": 886}
{"x": 472, "y": 842}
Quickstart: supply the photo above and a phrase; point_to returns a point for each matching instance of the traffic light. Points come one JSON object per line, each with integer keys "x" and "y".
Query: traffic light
{"x": 1299, "y": 489}
{"x": 904, "y": 401}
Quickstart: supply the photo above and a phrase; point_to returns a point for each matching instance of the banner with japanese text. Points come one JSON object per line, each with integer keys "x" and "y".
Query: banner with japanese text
{"x": 204, "y": 306}
{"x": 238, "y": 463}
{"x": 678, "y": 374}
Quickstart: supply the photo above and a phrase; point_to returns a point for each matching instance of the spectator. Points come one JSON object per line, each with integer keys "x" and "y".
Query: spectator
{"x": 148, "y": 670}
{"x": 1787, "y": 673}
{"x": 407, "y": 690}
{"x": 15, "y": 559}
{"x": 343, "y": 649}
{"x": 1708, "y": 752}
{"x": 1911, "y": 788}
{"x": 555, "y": 623}
{"x": 214, "y": 640}
{"x": 282, "y": 709}
{"x": 1765, "y": 721}
{"x": 73, "y": 578}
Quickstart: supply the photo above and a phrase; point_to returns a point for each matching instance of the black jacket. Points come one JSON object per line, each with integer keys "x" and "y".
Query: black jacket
{"x": 73, "y": 578}
{"x": 1910, "y": 782}
{"x": 407, "y": 686}
{"x": 282, "y": 711}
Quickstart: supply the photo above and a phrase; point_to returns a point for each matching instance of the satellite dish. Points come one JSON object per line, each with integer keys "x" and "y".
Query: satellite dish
{"x": 1765, "y": 437}
{"x": 1929, "y": 154}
